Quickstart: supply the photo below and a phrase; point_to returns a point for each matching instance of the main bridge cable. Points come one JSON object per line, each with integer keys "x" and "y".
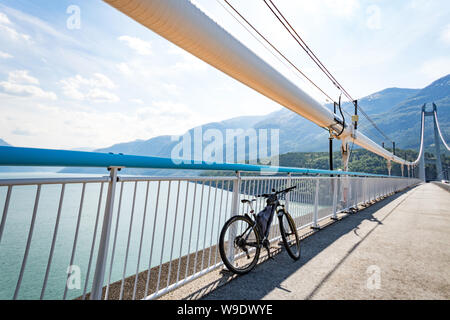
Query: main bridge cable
{"x": 316, "y": 60}
{"x": 321, "y": 66}
{"x": 290, "y": 62}
{"x": 422, "y": 132}
{"x": 305, "y": 47}
{"x": 343, "y": 118}
{"x": 342, "y": 122}
{"x": 341, "y": 110}
{"x": 439, "y": 128}
{"x": 271, "y": 45}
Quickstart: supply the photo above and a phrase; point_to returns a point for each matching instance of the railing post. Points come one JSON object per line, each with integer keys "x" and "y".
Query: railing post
{"x": 234, "y": 212}
{"x": 334, "y": 198}
{"x": 99, "y": 275}
{"x": 315, "y": 224}
{"x": 288, "y": 197}
{"x": 236, "y": 191}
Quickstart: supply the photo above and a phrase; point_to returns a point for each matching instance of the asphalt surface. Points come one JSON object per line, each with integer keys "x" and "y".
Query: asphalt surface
{"x": 398, "y": 248}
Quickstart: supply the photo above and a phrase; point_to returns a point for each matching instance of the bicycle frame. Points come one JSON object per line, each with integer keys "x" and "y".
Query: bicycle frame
{"x": 278, "y": 208}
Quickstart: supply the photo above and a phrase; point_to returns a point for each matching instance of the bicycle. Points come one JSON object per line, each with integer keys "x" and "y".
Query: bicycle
{"x": 242, "y": 236}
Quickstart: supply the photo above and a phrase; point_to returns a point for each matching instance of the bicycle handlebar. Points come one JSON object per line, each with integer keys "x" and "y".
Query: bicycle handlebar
{"x": 267, "y": 195}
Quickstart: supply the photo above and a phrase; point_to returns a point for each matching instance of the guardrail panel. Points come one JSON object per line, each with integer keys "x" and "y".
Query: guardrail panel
{"x": 163, "y": 231}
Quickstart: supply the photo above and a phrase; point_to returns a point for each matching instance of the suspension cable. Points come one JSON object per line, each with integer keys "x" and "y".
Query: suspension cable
{"x": 271, "y": 45}
{"x": 439, "y": 131}
{"x": 316, "y": 60}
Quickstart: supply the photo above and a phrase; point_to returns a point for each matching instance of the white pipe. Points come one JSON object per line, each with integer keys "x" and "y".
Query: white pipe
{"x": 440, "y": 133}
{"x": 185, "y": 25}
{"x": 422, "y": 132}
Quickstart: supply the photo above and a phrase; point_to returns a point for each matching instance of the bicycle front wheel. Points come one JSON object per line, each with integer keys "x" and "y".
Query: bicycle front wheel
{"x": 289, "y": 235}
{"x": 239, "y": 244}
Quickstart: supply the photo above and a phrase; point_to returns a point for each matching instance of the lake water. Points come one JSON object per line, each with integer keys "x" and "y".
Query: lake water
{"x": 201, "y": 216}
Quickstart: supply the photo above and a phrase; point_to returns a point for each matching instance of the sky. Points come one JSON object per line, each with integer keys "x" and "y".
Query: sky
{"x": 80, "y": 74}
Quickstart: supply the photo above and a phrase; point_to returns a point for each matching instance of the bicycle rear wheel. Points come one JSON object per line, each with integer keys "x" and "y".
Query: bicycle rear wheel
{"x": 239, "y": 244}
{"x": 289, "y": 235}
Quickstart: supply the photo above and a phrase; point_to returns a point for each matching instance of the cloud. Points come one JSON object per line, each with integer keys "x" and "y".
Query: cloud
{"x": 20, "y": 83}
{"x": 22, "y": 76}
{"x": 445, "y": 35}
{"x": 171, "y": 89}
{"x": 436, "y": 68}
{"x": 98, "y": 95}
{"x": 187, "y": 61}
{"x": 346, "y": 8}
{"x": 137, "y": 101}
{"x": 140, "y": 46}
{"x": 163, "y": 70}
{"x": 4, "y": 55}
{"x": 7, "y": 29}
{"x": 21, "y": 132}
{"x": 373, "y": 17}
{"x": 26, "y": 90}
{"x": 90, "y": 89}
{"x": 124, "y": 68}
{"x": 4, "y": 19}
{"x": 13, "y": 34}
{"x": 70, "y": 127}
{"x": 37, "y": 24}
{"x": 166, "y": 109}
{"x": 339, "y": 8}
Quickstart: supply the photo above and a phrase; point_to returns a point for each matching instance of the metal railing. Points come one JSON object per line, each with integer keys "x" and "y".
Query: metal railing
{"x": 121, "y": 237}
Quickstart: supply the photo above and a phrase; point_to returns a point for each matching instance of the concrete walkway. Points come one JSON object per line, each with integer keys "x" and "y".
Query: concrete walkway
{"x": 398, "y": 248}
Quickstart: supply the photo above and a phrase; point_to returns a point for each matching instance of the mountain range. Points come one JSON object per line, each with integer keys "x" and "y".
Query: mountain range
{"x": 3, "y": 143}
{"x": 396, "y": 111}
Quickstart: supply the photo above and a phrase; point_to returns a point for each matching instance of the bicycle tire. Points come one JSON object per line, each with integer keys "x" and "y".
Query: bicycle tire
{"x": 293, "y": 231}
{"x": 223, "y": 245}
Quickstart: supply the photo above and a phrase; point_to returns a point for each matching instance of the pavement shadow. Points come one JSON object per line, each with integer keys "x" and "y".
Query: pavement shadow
{"x": 270, "y": 274}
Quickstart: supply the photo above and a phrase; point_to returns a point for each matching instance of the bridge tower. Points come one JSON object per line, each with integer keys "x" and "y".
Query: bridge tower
{"x": 437, "y": 150}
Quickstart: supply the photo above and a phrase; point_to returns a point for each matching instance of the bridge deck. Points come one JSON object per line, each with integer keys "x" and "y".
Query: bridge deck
{"x": 406, "y": 237}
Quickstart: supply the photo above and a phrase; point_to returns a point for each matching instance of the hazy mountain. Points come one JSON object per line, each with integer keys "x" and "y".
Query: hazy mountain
{"x": 3, "y": 143}
{"x": 402, "y": 122}
{"x": 162, "y": 146}
{"x": 296, "y": 133}
{"x": 395, "y": 110}
{"x": 382, "y": 101}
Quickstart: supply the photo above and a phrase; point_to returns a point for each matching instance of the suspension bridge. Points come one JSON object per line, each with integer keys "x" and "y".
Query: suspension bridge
{"x": 130, "y": 237}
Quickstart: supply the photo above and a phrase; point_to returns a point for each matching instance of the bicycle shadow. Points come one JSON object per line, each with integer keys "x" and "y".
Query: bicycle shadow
{"x": 270, "y": 273}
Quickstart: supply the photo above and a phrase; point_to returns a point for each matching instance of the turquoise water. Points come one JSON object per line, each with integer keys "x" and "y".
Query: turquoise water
{"x": 204, "y": 217}
{"x": 13, "y": 243}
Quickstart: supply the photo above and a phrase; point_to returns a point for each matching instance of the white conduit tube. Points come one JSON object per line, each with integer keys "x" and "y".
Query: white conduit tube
{"x": 185, "y": 25}
{"x": 422, "y": 131}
